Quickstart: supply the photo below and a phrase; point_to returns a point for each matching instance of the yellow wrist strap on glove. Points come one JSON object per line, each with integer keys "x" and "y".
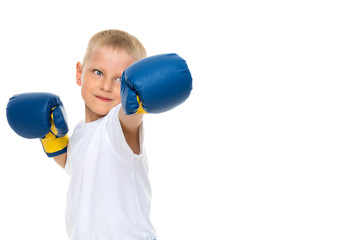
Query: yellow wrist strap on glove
{"x": 140, "y": 110}
{"x": 52, "y": 144}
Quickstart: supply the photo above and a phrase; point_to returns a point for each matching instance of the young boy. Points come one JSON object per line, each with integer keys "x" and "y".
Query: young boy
{"x": 109, "y": 194}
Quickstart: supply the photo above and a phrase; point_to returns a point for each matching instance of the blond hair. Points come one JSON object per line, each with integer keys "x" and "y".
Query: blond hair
{"x": 116, "y": 39}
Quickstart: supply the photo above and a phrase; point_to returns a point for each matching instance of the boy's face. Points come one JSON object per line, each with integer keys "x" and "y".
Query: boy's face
{"x": 100, "y": 80}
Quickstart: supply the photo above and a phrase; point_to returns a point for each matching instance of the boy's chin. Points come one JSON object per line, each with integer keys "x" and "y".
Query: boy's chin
{"x": 96, "y": 113}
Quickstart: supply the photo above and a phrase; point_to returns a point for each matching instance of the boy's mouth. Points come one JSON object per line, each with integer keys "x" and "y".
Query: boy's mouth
{"x": 104, "y": 99}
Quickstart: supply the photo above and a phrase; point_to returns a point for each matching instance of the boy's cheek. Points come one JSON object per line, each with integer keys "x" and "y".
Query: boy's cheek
{"x": 116, "y": 91}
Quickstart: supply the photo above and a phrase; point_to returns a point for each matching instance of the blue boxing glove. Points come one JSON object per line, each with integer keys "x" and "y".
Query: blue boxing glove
{"x": 40, "y": 115}
{"x": 155, "y": 84}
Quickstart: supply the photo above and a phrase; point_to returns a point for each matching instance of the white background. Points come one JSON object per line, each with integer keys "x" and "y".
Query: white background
{"x": 266, "y": 147}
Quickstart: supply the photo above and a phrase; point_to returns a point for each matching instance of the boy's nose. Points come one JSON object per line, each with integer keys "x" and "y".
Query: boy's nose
{"x": 106, "y": 85}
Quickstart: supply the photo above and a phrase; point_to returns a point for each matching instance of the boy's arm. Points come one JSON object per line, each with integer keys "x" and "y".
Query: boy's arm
{"x": 130, "y": 125}
{"x": 151, "y": 85}
{"x": 61, "y": 159}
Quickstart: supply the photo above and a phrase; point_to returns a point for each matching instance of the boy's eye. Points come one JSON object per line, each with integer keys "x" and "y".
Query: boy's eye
{"x": 118, "y": 79}
{"x": 98, "y": 72}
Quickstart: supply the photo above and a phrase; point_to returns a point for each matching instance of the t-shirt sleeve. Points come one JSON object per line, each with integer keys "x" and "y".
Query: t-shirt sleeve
{"x": 116, "y": 136}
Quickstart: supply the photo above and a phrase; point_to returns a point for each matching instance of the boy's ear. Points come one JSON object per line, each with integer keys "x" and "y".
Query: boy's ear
{"x": 78, "y": 73}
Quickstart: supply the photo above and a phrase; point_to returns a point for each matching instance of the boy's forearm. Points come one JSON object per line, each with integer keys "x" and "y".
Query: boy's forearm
{"x": 130, "y": 123}
{"x": 61, "y": 159}
{"x": 130, "y": 126}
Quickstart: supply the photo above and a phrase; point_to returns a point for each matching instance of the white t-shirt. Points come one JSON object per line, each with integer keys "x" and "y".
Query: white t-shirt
{"x": 109, "y": 194}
